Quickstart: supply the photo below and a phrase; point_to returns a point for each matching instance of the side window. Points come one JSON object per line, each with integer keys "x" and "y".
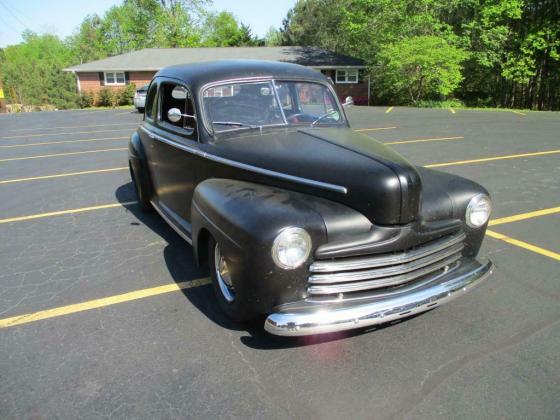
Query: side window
{"x": 151, "y": 102}
{"x": 177, "y": 109}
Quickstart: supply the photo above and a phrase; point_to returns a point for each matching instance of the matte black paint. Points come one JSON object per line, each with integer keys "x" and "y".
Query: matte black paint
{"x": 389, "y": 205}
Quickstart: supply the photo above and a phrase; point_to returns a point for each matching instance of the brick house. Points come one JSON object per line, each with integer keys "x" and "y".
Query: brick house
{"x": 347, "y": 73}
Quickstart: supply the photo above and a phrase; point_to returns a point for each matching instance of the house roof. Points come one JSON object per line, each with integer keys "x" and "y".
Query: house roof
{"x": 153, "y": 59}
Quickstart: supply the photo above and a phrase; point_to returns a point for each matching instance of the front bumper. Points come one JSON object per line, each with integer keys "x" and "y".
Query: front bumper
{"x": 308, "y": 318}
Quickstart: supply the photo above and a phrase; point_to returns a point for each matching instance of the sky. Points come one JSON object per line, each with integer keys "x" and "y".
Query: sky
{"x": 63, "y": 17}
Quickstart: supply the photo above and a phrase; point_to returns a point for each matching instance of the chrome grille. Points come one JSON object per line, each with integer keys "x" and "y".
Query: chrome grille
{"x": 355, "y": 274}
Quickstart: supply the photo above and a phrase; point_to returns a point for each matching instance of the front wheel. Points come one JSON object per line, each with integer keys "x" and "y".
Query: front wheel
{"x": 227, "y": 294}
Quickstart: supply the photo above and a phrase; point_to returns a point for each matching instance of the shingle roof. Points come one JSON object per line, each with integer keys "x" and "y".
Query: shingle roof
{"x": 157, "y": 58}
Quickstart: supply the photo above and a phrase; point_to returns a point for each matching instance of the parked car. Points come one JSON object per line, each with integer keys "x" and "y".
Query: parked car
{"x": 299, "y": 217}
{"x": 140, "y": 98}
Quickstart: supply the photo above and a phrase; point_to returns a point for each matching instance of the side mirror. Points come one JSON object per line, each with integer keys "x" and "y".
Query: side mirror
{"x": 174, "y": 115}
{"x": 348, "y": 102}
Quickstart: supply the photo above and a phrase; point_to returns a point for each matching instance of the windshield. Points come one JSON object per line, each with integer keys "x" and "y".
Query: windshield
{"x": 246, "y": 105}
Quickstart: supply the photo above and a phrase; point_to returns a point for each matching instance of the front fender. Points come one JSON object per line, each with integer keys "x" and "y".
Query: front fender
{"x": 245, "y": 218}
{"x": 138, "y": 163}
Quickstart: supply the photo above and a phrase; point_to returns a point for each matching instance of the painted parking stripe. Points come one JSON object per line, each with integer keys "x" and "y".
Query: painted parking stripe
{"x": 172, "y": 287}
{"x": 64, "y": 127}
{"x": 518, "y": 112}
{"x": 64, "y": 212}
{"x": 63, "y": 154}
{"x": 64, "y": 133}
{"x": 100, "y": 303}
{"x": 452, "y": 110}
{"x": 37, "y": 178}
{"x": 490, "y": 159}
{"x": 389, "y": 110}
{"x": 524, "y": 216}
{"x": 46, "y": 143}
{"x": 423, "y": 140}
{"x": 524, "y": 245}
{"x": 374, "y": 129}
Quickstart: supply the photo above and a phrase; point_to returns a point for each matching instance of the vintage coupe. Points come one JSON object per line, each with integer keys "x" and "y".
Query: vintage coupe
{"x": 299, "y": 217}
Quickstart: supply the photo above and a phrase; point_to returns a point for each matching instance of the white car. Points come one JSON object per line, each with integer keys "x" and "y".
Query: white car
{"x": 140, "y": 98}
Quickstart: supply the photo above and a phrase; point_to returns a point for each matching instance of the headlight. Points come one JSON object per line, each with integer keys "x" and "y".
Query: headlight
{"x": 478, "y": 211}
{"x": 291, "y": 248}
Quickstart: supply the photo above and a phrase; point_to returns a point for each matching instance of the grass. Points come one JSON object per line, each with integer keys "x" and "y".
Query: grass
{"x": 101, "y": 108}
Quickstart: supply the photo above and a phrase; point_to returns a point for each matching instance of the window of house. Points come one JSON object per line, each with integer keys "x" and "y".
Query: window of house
{"x": 174, "y": 96}
{"x": 347, "y": 76}
{"x": 115, "y": 78}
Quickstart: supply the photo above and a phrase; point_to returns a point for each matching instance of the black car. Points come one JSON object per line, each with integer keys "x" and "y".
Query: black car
{"x": 298, "y": 216}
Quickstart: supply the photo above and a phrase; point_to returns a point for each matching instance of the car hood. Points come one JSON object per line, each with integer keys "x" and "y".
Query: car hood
{"x": 379, "y": 182}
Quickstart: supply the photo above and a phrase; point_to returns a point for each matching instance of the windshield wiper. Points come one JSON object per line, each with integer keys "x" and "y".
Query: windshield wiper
{"x": 328, "y": 114}
{"x": 237, "y": 124}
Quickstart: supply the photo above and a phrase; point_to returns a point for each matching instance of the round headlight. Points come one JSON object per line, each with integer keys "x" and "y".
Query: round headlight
{"x": 291, "y": 248}
{"x": 478, "y": 211}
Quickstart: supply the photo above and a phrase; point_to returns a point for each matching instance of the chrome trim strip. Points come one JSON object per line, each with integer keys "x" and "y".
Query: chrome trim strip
{"x": 170, "y": 222}
{"x": 246, "y": 167}
{"x": 328, "y": 318}
{"x": 385, "y": 282}
{"x": 393, "y": 270}
{"x": 372, "y": 261}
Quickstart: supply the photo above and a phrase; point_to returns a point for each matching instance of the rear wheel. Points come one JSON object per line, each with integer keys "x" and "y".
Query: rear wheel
{"x": 141, "y": 194}
{"x": 227, "y": 294}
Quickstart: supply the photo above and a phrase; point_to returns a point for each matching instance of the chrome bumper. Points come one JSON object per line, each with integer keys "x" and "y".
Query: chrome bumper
{"x": 303, "y": 318}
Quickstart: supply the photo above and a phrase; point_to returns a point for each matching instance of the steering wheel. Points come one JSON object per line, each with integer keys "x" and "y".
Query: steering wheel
{"x": 295, "y": 118}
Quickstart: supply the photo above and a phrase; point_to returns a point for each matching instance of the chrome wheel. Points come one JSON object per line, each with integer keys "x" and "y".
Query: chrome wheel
{"x": 223, "y": 275}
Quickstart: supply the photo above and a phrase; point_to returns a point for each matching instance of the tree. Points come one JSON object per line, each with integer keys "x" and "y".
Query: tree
{"x": 32, "y": 72}
{"x": 223, "y": 30}
{"x": 273, "y": 37}
{"x": 420, "y": 67}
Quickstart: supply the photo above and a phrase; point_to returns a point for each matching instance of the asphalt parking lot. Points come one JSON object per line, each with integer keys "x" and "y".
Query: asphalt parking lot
{"x": 104, "y": 314}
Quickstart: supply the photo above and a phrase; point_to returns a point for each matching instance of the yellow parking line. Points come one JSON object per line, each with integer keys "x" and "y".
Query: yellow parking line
{"x": 466, "y": 162}
{"x": 63, "y": 133}
{"x": 37, "y": 178}
{"x": 63, "y": 212}
{"x": 71, "y": 126}
{"x": 375, "y": 129}
{"x": 423, "y": 140}
{"x": 452, "y": 110}
{"x": 524, "y": 216}
{"x": 62, "y": 154}
{"x": 389, "y": 110}
{"x": 44, "y": 143}
{"x": 100, "y": 303}
{"x": 524, "y": 245}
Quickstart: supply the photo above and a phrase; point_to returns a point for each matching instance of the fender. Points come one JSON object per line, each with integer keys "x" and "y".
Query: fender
{"x": 138, "y": 163}
{"x": 245, "y": 218}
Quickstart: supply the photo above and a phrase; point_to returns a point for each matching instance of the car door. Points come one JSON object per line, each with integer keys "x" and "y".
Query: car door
{"x": 173, "y": 145}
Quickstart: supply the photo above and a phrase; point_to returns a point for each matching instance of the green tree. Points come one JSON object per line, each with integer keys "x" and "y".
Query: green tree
{"x": 273, "y": 37}
{"x": 420, "y": 67}
{"x": 222, "y": 30}
{"x": 32, "y": 72}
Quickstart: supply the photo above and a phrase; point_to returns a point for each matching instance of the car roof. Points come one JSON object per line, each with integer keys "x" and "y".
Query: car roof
{"x": 198, "y": 74}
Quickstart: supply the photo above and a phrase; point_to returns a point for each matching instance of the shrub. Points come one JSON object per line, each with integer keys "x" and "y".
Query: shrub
{"x": 126, "y": 96}
{"x": 105, "y": 97}
{"x": 86, "y": 99}
{"x": 450, "y": 103}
